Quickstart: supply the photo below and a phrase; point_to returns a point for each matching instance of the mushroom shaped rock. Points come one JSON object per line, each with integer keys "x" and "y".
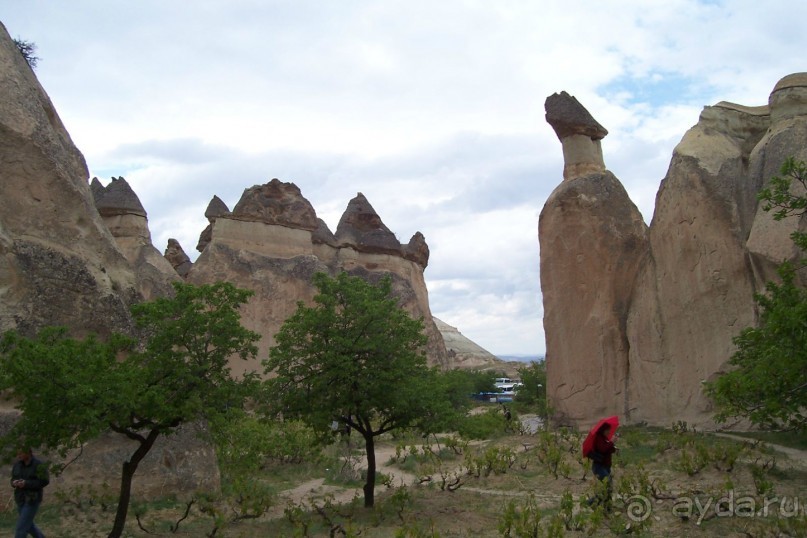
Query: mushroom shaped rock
{"x": 580, "y": 135}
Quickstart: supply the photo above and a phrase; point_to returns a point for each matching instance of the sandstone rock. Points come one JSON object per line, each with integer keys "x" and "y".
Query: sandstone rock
{"x": 580, "y": 135}
{"x": 275, "y": 251}
{"x": 215, "y": 209}
{"x": 769, "y": 241}
{"x": 177, "y": 258}
{"x": 59, "y": 264}
{"x": 362, "y": 229}
{"x": 463, "y": 352}
{"x": 126, "y": 219}
{"x": 639, "y": 340}
{"x": 593, "y": 240}
{"x": 276, "y": 203}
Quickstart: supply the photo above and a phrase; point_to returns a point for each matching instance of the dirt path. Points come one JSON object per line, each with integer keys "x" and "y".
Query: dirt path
{"x": 316, "y": 491}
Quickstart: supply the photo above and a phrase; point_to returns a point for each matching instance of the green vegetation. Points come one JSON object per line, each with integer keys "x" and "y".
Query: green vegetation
{"x": 797, "y": 440}
{"x": 28, "y": 51}
{"x": 446, "y": 485}
{"x": 179, "y": 375}
{"x": 768, "y": 384}
{"x": 533, "y": 392}
{"x": 354, "y": 361}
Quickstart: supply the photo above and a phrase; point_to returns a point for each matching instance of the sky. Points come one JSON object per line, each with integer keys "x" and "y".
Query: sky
{"x": 434, "y": 110}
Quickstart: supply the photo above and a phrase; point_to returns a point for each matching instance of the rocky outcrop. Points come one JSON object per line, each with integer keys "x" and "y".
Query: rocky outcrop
{"x": 593, "y": 240}
{"x": 464, "y": 353}
{"x": 214, "y": 210}
{"x": 579, "y": 133}
{"x": 637, "y": 318}
{"x": 769, "y": 240}
{"x": 126, "y": 219}
{"x": 273, "y": 243}
{"x": 59, "y": 264}
{"x": 176, "y": 256}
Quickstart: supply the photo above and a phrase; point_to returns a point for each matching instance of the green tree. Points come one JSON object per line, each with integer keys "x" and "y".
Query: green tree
{"x": 70, "y": 391}
{"x": 768, "y": 384}
{"x": 533, "y": 377}
{"x": 456, "y": 388}
{"x": 779, "y": 196}
{"x": 354, "y": 358}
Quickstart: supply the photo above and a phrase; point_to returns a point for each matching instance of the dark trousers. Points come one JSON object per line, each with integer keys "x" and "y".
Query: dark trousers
{"x": 603, "y": 474}
{"x": 25, "y": 520}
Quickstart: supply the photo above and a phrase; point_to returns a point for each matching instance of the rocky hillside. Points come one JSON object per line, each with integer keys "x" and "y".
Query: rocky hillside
{"x": 463, "y": 352}
{"x": 637, "y": 316}
{"x": 78, "y": 254}
{"x": 272, "y": 242}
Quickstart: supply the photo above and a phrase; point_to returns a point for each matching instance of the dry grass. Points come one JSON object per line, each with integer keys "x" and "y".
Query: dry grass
{"x": 668, "y": 469}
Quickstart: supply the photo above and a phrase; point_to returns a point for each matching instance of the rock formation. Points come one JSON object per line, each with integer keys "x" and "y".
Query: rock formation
{"x": 273, "y": 243}
{"x": 592, "y": 242}
{"x": 61, "y": 265}
{"x": 176, "y": 256}
{"x": 215, "y": 208}
{"x": 579, "y": 133}
{"x": 126, "y": 219}
{"x": 637, "y": 317}
{"x": 464, "y": 353}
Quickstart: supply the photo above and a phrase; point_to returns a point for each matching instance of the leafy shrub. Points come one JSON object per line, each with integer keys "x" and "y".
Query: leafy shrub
{"x": 488, "y": 425}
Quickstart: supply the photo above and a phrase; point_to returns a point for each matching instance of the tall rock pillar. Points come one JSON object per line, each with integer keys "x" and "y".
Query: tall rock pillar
{"x": 593, "y": 240}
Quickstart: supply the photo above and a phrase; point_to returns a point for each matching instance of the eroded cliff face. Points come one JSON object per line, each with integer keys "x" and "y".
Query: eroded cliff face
{"x": 273, "y": 243}
{"x": 669, "y": 298}
{"x": 61, "y": 265}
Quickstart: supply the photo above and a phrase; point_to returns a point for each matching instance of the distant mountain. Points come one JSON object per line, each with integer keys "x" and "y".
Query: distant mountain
{"x": 463, "y": 352}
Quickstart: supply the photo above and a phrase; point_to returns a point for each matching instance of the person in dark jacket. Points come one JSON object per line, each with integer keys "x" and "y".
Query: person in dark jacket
{"x": 28, "y": 477}
{"x": 601, "y": 462}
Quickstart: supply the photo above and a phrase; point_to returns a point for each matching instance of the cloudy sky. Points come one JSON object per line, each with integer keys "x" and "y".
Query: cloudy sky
{"x": 432, "y": 109}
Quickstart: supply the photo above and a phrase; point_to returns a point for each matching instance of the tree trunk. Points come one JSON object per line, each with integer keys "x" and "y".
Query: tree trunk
{"x": 369, "y": 485}
{"x": 127, "y": 474}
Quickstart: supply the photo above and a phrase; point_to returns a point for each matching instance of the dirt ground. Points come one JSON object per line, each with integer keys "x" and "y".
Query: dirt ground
{"x": 476, "y": 506}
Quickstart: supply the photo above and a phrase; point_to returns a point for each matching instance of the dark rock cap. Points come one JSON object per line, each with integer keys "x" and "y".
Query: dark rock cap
{"x": 362, "y": 228}
{"x": 417, "y": 250}
{"x": 568, "y": 117}
{"x": 117, "y": 198}
{"x": 216, "y": 208}
{"x": 177, "y": 258}
{"x": 276, "y": 202}
{"x": 323, "y": 234}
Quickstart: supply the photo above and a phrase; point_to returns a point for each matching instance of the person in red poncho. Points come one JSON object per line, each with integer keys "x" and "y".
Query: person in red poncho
{"x": 601, "y": 462}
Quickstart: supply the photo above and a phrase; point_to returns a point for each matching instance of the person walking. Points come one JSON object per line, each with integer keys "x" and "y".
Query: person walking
{"x": 29, "y": 476}
{"x": 600, "y": 456}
